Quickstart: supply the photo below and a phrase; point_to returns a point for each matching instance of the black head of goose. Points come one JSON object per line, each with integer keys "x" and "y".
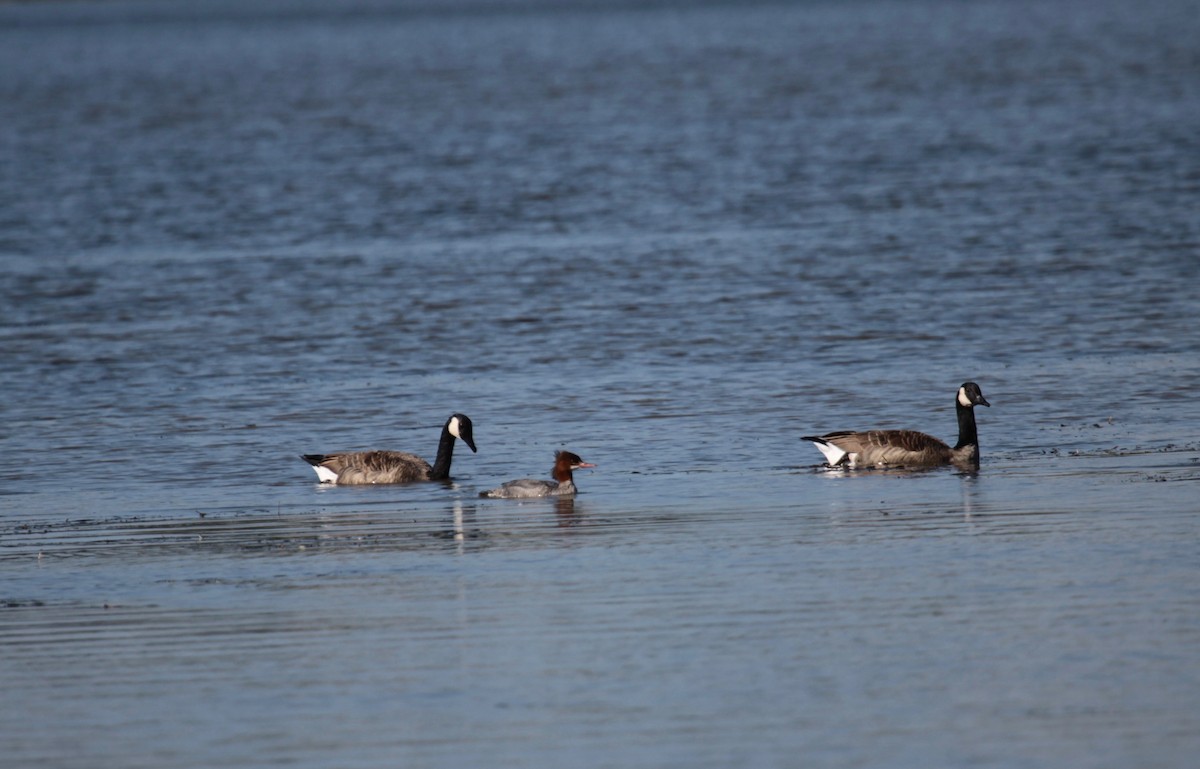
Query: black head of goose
{"x": 908, "y": 448}
{"x": 367, "y": 467}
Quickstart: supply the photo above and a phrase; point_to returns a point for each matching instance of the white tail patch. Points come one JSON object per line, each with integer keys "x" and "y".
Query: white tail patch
{"x": 832, "y": 453}
{"x": 324, "y": 474}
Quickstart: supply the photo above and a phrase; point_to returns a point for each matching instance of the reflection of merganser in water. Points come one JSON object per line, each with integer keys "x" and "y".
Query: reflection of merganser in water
{"x": 364, "y": 467}
{"x": 563, "y": 484}
{"x": 908, "y": 448}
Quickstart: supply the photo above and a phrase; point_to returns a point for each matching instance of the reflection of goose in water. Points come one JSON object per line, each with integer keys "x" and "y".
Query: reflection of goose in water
{"x": 908, "y": 448}
{"x": 365, "y": 467}
{"x": 562, "y": 485}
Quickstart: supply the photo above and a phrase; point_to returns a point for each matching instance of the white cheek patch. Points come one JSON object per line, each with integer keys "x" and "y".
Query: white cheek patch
{"x": 453, "y": 426}
{"x": 962, "y": 397}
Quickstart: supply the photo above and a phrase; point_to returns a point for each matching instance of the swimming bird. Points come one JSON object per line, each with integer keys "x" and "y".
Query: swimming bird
{"x": 366, "y": 467}
{"x": 907, "y": 448}
{"x": 563, "y": 484}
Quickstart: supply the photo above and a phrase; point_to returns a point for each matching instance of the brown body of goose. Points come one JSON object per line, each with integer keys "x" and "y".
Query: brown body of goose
{"x": 370, "y": 467}
{"x": 908, "y": 448}
{"x": 563, "y": 484}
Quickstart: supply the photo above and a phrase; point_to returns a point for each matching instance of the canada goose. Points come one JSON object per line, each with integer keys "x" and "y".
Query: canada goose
{"x": 366, "y": 467}
{"x": 563, "y": 484}
{"x": 908, "y": 447}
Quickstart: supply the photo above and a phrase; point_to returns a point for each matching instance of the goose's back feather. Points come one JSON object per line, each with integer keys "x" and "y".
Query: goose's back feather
{"x": 367, "y": 467}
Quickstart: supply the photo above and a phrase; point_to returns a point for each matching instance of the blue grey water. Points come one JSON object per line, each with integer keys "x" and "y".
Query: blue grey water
{"x": 671, "y": 237}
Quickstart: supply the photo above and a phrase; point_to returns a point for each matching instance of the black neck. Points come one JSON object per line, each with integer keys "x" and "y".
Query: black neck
{"x": 441, "y": 465}
{"x": 966, "y": 426}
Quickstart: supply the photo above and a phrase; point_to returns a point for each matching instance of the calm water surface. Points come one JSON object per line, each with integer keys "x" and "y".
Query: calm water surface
{"x": 670, "y": 238}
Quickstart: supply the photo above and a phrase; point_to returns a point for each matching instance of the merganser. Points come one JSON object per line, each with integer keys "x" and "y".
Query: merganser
{"x": 908, "y": 448}
{"x": 366, "y": 467}
{"x": 563, "y": 484}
